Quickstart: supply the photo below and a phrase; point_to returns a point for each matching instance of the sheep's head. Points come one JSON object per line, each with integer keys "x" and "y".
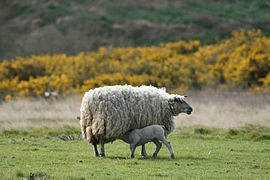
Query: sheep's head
{"x": 178, "y": 105}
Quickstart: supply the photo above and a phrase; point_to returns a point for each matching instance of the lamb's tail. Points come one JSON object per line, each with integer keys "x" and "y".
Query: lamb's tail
{"x": 165, "y": 132}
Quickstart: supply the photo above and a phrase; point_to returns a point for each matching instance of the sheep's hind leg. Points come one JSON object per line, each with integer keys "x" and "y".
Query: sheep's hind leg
{"x": 95, "y": 149}
{"x": 168, "y": 145}
{"x": 158, "y": 146}
{"x": 102, "y": 151}
{"x": 132, "y": 150}
{"x": 143, "y": 152}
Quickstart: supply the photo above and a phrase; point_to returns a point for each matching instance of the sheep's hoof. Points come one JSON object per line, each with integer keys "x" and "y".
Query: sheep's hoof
{"x": 144, "y": 155}
{"x": 172, "y": 156}
{"x": 96, "y": 155}
{"x": 132, "y": 157}
{"x": 102, "y": 155}
{"x": 154, "y": 155}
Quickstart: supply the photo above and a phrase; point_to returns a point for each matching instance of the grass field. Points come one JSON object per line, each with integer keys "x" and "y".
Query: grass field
{"x": 226, "y": 137}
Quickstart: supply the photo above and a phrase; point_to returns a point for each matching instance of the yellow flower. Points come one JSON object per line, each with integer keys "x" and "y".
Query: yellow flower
{"x": 8, "y": 97}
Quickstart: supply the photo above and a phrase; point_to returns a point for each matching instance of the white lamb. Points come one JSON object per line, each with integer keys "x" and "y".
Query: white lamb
{"x": 139, "y": 137}
{"x": 107, "y": 113}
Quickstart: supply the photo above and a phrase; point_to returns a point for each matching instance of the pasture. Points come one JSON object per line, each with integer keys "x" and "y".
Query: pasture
{"x": 227, "y": 136}
{"x": 198, "y": 155}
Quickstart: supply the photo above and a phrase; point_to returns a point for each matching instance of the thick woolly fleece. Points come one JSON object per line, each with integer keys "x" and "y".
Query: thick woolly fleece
{"x": 107, "y": 113}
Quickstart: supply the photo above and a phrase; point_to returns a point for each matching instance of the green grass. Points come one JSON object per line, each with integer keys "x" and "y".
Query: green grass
{"x": 201, "y": 152}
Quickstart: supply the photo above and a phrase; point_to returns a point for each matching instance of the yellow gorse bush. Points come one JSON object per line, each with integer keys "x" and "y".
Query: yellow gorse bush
{"x": 242, "y": 61}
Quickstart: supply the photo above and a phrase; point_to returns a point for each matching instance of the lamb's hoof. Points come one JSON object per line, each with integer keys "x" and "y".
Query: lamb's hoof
{"x": 96, "y": 155}
{"x": 154, "y": 155}
{"x": 132, "y": 157}
{"x": 144, "y": 155}
{"x": 172, "y": 156}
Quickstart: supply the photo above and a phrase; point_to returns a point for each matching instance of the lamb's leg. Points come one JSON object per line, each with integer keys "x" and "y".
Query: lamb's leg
{"x": 143, "y": 152}
{"x": 95, "y": 149}
{"x": 158, "y": 146}
{"x": 102, "y": 151}
{"x": 168, "y": 145}
{"x": 132, "y": 151}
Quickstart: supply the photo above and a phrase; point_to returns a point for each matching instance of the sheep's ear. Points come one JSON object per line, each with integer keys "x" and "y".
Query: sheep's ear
{"x": 172, "y": 99}
{"x": 185, "y": 96}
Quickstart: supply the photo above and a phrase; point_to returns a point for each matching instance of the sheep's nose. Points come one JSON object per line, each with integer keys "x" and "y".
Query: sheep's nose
{"x": 189, "y": 110}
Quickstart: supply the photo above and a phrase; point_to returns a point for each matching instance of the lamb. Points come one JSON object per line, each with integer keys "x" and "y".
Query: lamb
{"x": 107, "y": 113}
{"x": 153, "y": 133}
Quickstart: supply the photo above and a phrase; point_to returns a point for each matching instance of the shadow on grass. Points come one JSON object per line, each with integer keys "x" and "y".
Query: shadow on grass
{"x": 149, "y": 158}
{"x": 192, "y": 158}
{"x": 117, "y": 157}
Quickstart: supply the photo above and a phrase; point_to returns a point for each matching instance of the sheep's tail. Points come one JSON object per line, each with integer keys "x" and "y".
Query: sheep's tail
{"x": 83, "y": 127}
{"x": 85, "y": 122}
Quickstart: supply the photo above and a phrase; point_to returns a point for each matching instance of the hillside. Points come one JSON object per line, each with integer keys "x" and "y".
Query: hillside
{"x": 57, "y": 26}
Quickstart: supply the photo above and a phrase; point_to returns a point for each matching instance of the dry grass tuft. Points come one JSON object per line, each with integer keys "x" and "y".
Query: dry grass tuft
{"x": 213, "y": 109}
{"x": 34, "y": 114}
{"x": 226, "y": 109}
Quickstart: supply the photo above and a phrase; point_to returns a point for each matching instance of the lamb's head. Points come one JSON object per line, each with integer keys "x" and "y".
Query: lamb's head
{"x": 177, "y": 104}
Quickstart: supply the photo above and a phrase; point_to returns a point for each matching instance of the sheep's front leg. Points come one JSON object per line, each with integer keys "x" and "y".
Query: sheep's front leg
{"x": 102, "y": 151}
{"x": 158, "y": 146}
{"x": 168, "y": 145}
{"x": 132, "y": 151}
{"x": 143, "y": 152}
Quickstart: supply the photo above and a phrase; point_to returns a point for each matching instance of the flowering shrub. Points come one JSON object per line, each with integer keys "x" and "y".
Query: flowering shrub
{"x": 242, "y": 61}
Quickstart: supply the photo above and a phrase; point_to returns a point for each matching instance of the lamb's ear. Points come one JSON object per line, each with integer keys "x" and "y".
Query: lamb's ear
{"x": 185, "y": 96}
